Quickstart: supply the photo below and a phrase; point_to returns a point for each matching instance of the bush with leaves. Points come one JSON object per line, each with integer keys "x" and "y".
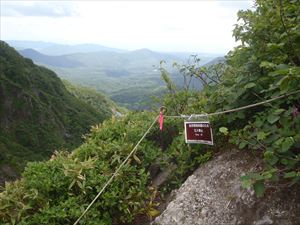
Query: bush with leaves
{"x": 57, "y": 191}
{"x": 265, "y": 65}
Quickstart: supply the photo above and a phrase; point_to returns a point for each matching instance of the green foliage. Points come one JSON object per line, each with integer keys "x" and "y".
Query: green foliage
{"x": 37, "y": 113}
{"x": 224, "y": 130}
{"x": 265, "y": 65}
{"x": 98, "y": 101}
{"x": 57, "y": 191}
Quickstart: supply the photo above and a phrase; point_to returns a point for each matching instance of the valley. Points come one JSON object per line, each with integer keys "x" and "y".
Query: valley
{"x": 130, "y": 78}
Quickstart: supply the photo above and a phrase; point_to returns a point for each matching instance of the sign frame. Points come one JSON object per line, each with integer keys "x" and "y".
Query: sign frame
{"x": 197, "y": 141}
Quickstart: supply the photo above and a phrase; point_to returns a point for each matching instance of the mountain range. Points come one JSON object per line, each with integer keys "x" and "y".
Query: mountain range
{"x": 128, "y": 77}
{"x": 59, "y": 61}
{"x": 50, "y": 48}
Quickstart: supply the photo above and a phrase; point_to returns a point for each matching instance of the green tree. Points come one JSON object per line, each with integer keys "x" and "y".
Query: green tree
{"x": 266, "y": 64}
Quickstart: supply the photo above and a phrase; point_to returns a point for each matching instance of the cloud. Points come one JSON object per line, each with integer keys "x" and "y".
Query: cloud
{"x": 204, "y": 26}
{"x": 236, "y": 4}
{"x": 38, "y": 9}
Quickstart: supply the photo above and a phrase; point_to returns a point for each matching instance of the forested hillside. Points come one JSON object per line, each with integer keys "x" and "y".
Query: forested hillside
{"x": 265, "y": 65}
{"x": 37, "y": 114}
{"x": 98, "y": 101}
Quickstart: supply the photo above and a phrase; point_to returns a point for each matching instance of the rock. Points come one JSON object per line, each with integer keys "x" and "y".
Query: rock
{"x": 162, "y": 177}
{"x": 213, "y": 196}
{"x": 7, "y": 173}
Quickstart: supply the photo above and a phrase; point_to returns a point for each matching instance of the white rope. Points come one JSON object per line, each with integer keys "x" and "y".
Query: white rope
{"x": 180, "y": 116}
{"x": 116, "y": 172}
{"x": 235, "y": 109}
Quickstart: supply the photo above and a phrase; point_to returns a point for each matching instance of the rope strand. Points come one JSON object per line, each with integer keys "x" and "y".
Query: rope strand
{"x": 116, "y": 172}
{"x": 236, "y": 109}
{"x": 181, "y": 116}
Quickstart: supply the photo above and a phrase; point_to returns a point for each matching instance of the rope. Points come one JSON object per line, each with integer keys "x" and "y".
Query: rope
{"x": 181, "y": 116}
{"x": 235, "y": 109}
{"x": 116, "y": 173}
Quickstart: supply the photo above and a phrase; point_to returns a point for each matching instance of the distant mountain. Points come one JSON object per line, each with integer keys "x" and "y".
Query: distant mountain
{"x": 58, "y": 61}
{"x": 37, "y": 114}
{"x": 37, "y": 45}
{"x": 204, "y": 56}
{"x": 49, "y": 48}
{"x": 147, "y": 53}
{"x": 58, "y": 49}
{"x": 147, "y": 58}
{"x": 128, "y": 77}
{"x": 215, "y": 61}
{"x": 141, "y": 58}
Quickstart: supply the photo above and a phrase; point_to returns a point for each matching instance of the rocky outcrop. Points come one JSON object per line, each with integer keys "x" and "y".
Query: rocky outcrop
{"x": 213, "y": 196}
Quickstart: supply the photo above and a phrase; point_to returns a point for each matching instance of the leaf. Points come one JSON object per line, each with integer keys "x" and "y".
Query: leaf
{"x": 268, "y": 65}
{"x": 259, "y": 188}
{"x": 273, "y": 118}
{"x": 153, "y": 212}
{"x": 240, "y": 115}
{"x": 279, "y": 141}
{"x": 270, "y": 157}
{"x": 246, "y": 181}
{"x": 137, "y": 159}
{"x": 274, "y": 178}
{"x": 80, "y": 185}
{"x": 282, "y": 66}
{"x": 278, "y": 111}
{"x": 290, "y": 174}
{"x": 286, "y": 144}
{"x": 258, "y": 123}
{"x": 250, "y": 85}
{"x": 72, "y": 184}
{"x": 242, "y": 144}
{"x": 224, "y": 130}
{"x": 13, "y": 221}
{"x": 280, "y": 72}
{"x": 239, "y": 79}
{"x": 283, "y": 83}
{"x": 261, "y": 135}
{"x": 81, "y": 177}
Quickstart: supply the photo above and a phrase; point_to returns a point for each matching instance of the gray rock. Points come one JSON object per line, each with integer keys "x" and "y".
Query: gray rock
{"x": 213, "y": 196}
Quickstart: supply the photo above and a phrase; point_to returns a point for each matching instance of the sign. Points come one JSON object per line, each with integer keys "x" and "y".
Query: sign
{"x": 198, "y": 133}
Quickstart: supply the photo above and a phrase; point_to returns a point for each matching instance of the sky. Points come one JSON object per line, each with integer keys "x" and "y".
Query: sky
{"x": 170, "y": 26}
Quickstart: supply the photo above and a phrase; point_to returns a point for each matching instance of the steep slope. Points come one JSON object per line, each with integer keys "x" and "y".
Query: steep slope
{"x": 71, "y": 180}
{"x": 37, "y": 113}
{"x": 98, "y": 101}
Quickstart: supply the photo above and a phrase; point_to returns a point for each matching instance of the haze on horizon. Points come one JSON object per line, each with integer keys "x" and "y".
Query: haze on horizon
{"x": 177, "y": 26}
